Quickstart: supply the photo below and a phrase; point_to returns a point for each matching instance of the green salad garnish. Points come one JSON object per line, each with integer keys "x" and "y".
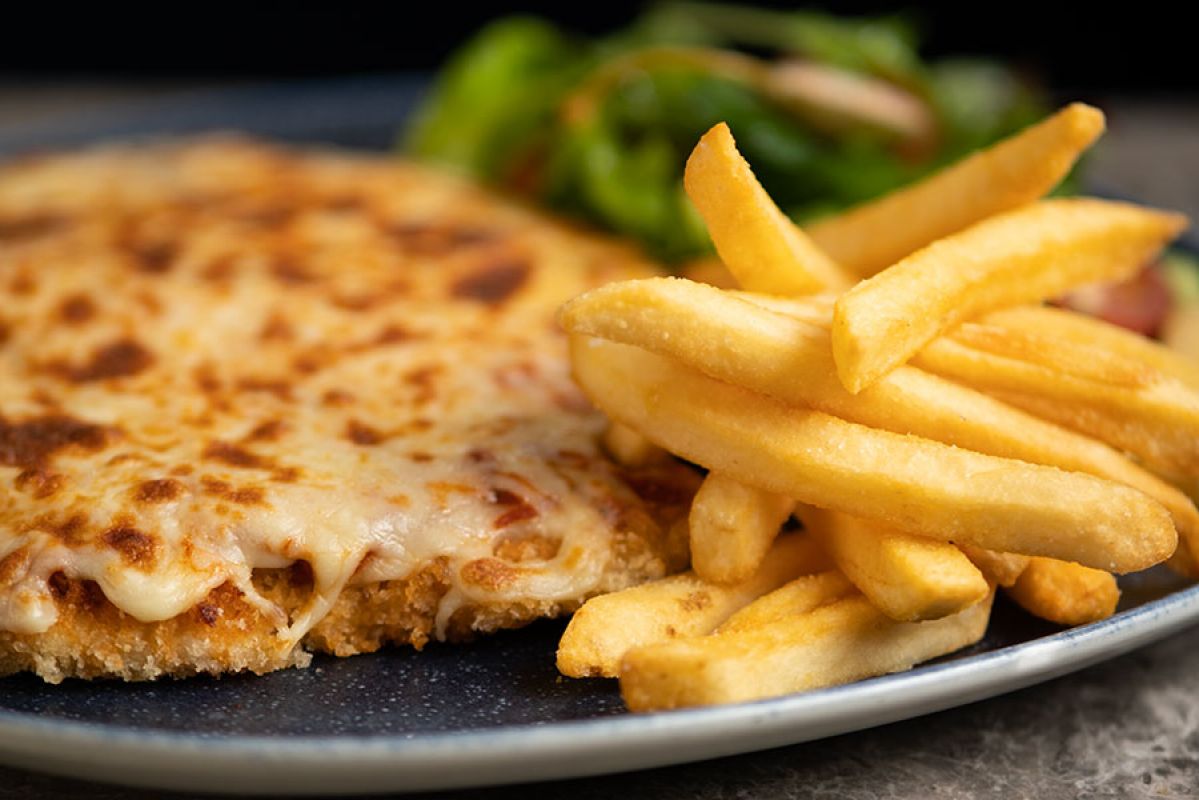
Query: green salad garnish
{"x": 829, "y": 111}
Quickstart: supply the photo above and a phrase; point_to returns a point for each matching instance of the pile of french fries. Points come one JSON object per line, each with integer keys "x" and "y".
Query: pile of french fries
{"x": 890, "y": 378}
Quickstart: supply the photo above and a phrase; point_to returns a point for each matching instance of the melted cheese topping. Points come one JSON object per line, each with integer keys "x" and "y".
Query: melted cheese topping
{"x": 220, "y": 357}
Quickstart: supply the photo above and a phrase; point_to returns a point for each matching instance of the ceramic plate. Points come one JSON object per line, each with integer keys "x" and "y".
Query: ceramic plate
{"x": 494, "y": 711}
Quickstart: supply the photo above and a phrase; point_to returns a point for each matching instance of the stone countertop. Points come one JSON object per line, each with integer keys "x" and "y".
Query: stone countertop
{"x": 1127, "y": 728}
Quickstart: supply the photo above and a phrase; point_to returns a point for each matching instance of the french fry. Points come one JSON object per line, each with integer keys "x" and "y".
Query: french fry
{"x": 607, "y": 626}
{"x": 1065, "y": 325}
{"x": 1158, "y": 422}
{"x": 909, "y": 578}
{"x": 1002, "y": 569}
{"x": 732, "y": 527}
{"x": 843, "y": 641}
{"x": 630, "y": 448}
{"x": 797, "y": 597}
{"x": 913, "y": 484}
{"x": 711, "y": 331}
{"x": 1021, "y": 256}
{"x": 760, "y": 246}
{"x": 1007, "y": 175}
{"x": 1065, "y": 593}
{"x": 1056, "y": 353}
{"x": 1077, "y": 343}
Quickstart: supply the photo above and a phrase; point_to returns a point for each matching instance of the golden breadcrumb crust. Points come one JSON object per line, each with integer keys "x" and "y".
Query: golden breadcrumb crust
{"x": 94, "y": 639}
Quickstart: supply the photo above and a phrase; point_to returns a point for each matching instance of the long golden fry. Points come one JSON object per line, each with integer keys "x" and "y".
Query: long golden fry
{"x": 732, "y": 526}
{"x": 1070, "y": 326}
{"x": 909, "y": 578}
{"x": 843, "y": 641}
{"x": 1023, "y": 256}
{"x": 756, "y": 241}
{"x": 999, "y": 568}
{"x": 797, "y": 597}
{"x": 913, "y": 484}
{"x": 1007, "y": 175}
{"x": 711, "y": 331}
{"x": 1158, "y": 422}
{"x": 1065, "y": 593}
{"x": 606, "y": 627}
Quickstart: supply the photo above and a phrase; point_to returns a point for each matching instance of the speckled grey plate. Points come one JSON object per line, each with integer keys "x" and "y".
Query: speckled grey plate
{"x": 491, "y": 712}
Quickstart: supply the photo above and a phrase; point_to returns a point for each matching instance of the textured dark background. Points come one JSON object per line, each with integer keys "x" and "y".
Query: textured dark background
{"x": 1144, "y": 46}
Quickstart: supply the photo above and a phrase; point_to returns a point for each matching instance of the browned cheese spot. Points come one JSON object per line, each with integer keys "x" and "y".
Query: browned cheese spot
{"x": 247, "y": 496}
{"x": 356, "y": 302}
{"x": 277, "y": 328}
{"x": 517, "y": 508}
{"x": 393, "y": 334}
{"x": 286, "y": 474}
{"x": 219, "y": 270}
{"x": 76, "y": 309}
{"x": 479, "y": 455}
{"x": 271, "y": 215}
{"x": 437, "y": 240}
{"x": 493, "y": 283}
{"x": 137, "y": 549}
{"x": 31, "y": 443}
{"x": 23, "y": 284}
{"x": 290, "y": 272}
{"x": 489, "y": 573}
{"x": 344, "y": 203}
{"x": 149, "y": 301}
{"x": 206, "y": 378}
{"x": 153, "y": 258}
{"x": 13, "y": 566}
{"x": 423, "y": 380}
{"x": 21, "y": 229}
{"x": 69, "y": 531}
{"x": 359, "y": 432}
{"x": 268, "y": 431}
{"x": 234, "y": 456}
{"x": 527, "y": 546}
{"x": 158, "y": 491}
{"x": 420, "y": 457}
{"x": 39, "y": 482}
{"x": 337, "y": 398}
{"x": 279, "y": 388}
{"x": 389, "y": 335}
{"x": 5, "y": 332}
{"x": 120, "y": 359}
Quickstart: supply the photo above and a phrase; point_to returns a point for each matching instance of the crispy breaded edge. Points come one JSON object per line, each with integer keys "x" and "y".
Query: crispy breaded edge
{"x": 225, "y": 633}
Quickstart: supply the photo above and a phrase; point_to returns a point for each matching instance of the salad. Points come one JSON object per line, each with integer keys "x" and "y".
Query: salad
{"x": 830, "y": 111}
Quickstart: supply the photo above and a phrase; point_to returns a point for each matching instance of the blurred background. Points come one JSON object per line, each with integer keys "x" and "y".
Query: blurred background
{"x": 1143, "y": 46}
{"x": 591, "y": 109}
